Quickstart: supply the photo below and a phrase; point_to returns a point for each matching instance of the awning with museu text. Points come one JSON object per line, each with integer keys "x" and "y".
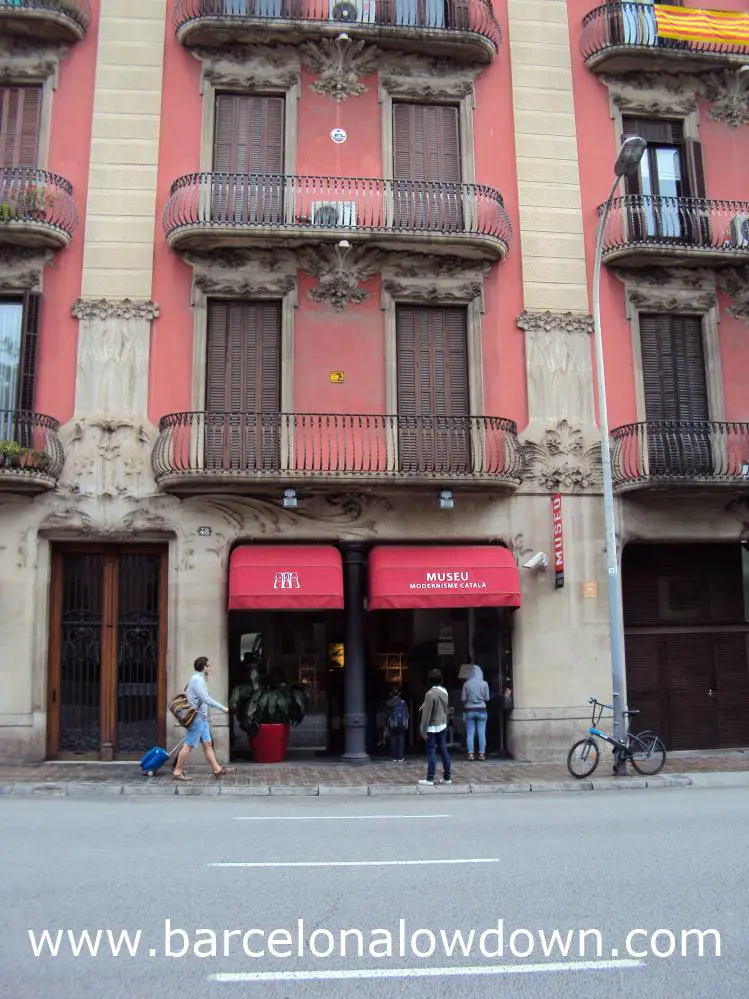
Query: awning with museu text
{"x": 285, "y": 577}
{"x": 457, "y": 576}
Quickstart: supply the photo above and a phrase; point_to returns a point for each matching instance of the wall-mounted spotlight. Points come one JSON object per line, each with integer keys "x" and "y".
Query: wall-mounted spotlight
{"x": 289, "y": 501}
{"x": 446, "y": 500}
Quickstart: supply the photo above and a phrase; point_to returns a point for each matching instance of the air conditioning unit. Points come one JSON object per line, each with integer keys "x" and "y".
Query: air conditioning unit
{"x": 353, "y": 11}
{"x": 740, "y": 231}
{"x": 330, "y": 214}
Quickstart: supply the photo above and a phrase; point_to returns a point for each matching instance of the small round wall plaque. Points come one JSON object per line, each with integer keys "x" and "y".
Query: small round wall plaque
{"x": 339, "y": 135}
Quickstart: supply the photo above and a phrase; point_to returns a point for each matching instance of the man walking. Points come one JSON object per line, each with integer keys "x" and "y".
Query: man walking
{"x": 199, "y": 731}
{"x": 433, "y": 728}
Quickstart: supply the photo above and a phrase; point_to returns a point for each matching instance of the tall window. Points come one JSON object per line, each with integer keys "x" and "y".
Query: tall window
{"x": 20, "y": 116}
{"x": 248, "y": 157}
{"x": 243, "y": 385}
{"x": 433, "y": 394}
{"x": 675, "y": 388}
{"x": 19, "y": 331}
{"x": 426, "y": 147}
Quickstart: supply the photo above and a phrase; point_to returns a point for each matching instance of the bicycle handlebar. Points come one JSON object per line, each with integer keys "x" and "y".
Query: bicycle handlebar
{"x": 592, "y": 700}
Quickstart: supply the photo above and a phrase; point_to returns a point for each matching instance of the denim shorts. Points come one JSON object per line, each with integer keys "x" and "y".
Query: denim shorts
{"x": 198, "y": 732}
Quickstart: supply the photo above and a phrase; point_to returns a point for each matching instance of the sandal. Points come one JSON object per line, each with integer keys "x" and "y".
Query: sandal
{"x": 470, "y": 757}
{"x": 223, "y": 772}
{"x": 181, "y": 777}
{"x": 482, "y": 756}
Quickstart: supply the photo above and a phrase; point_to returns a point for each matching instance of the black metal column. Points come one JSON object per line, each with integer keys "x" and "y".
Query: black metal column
{"x": 355, "y": 716}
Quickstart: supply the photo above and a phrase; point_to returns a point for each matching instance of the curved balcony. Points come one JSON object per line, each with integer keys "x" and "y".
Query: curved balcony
{"x": 49, "y": 20}
{"x": 646, "y": 230}
{"x": 36, "y": 208}
{"x": 198, "y": 452}
{"x": 625, "y": 37}
{"x": 680, "y": 454}
{"x": 459, "y": 29}
{"x": 210, "y": 210}
{"x": 31, "y": 455}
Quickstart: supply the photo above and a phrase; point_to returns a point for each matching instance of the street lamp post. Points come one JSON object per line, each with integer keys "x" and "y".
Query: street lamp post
{"x": 628, "y": 159}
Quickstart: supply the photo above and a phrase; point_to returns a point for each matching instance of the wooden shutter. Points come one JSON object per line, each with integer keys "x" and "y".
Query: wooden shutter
{"x": 426, "y": 147}
{"x": 659, "y": 131}
{"x": 243, "y": 387}
{"x": 32, "y": 304}
{"x": 433, "y": 396}
{"x": 248, "y": 143}
{"x": 20, "y": 117}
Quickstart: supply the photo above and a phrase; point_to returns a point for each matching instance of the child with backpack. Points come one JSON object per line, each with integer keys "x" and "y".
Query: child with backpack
{"x": 397, "y": 725}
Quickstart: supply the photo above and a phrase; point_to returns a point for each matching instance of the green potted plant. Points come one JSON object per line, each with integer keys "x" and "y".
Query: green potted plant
{"x": 10, "y": 454}
{"x": 265, "y": 709}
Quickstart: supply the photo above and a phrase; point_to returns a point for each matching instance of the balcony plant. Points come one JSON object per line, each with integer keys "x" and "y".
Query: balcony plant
{"x": 265, "y": 709}
{"x": 13, "y": 455}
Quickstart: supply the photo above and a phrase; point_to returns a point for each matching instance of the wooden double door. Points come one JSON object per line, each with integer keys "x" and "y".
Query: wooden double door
{"x": 107, "y": 654}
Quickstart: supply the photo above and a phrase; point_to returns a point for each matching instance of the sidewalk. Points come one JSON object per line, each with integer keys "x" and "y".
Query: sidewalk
{"x": 714, "y": 769}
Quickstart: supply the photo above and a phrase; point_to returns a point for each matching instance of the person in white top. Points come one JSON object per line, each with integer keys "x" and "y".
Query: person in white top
{"x": 199, "y": 732}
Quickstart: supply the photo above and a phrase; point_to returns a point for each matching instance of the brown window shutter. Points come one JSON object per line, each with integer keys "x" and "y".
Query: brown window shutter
{"x": 433, "y": 403}
{"x": 20, "y": 117}
{"x": 243, "y": 383}
{"x": 673, "y": 367}
{"x": 248, "y": 134}
{"x": 654, "y": 130}
{"x": 426, "y": 142}
{"x": 694, "y": 169}
{"x": 32, "y": 303}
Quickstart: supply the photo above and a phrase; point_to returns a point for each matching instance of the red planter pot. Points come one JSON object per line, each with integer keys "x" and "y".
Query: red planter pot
{"x": 269, "y": 745}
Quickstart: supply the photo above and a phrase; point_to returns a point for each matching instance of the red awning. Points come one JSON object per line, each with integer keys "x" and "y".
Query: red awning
{"x": 281, "y": 577}
{"x": 403, "y": 578}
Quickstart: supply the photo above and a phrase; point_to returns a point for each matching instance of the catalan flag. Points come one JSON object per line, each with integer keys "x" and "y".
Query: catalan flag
{"x": 711, "y": 27}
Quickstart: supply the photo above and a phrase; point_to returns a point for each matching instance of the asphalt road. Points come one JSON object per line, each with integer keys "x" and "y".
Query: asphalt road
{"x": 526, "y": 865}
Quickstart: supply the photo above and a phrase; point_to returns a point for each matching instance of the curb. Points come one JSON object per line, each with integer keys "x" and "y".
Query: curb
{"x": 95, "y": 789}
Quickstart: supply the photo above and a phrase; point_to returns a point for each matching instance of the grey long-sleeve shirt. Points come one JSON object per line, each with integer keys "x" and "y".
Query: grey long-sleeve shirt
{"x": 198, "y": 696}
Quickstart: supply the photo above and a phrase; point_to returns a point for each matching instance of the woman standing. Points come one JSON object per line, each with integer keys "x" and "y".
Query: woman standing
{"x": 475, "y": 698}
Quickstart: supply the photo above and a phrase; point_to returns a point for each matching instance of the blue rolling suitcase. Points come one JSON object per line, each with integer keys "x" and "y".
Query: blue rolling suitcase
{"x": 155, "y": 759}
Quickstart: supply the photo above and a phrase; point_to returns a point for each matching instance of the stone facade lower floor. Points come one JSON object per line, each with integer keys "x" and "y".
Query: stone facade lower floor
{"x": 106, "y": 601}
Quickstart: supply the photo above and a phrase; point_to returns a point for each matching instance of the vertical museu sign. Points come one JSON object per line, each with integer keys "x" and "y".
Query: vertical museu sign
{"x": 558, "y": 535}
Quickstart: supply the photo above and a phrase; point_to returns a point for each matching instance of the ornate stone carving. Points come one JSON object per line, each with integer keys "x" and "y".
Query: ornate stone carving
{"x": 22, "y": 59}
{"x": 340, "y": 273}
{"x": 346, "y": 516}
{"x": 653, "y": 93}
{"x": 728, "y": 95}
{"x": 340, "y": 68}
{"x": 558, "y": 365}
{"x": 734, "y": 282}
{"x": 244, "y": 272}
{"x": 423, "y": 77}
{"x": 563, "y": 459}
{"x": 114, "y": 308}
{"x": 21, "y": 267}
{"x": 250, "y": 67}
{"x": 669, "y": 288}
{"x": 431, "y": 278}
{"x": 107, "y": 457}
{"x": 555, "y": 322}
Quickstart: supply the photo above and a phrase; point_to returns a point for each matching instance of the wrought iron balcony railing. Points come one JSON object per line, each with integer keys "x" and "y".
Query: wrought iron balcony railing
{"x": 680, "y": 452}
{"x": 468, "y": 25}
{"x": 669, "y": 227}
{"x": 63, "y": 20}
{"x": 30, "y": 449}
{"x": 39, "y": 205}
{"x": 624, "y": 36}
{"x": 203, "y": 205}
{"x": 295, "y": 447}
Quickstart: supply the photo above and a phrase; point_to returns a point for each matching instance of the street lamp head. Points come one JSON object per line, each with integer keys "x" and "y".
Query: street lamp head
{"x": 630, "y": 155}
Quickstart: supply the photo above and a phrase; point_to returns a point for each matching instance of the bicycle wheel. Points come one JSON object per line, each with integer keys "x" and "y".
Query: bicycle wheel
{"x": 647, "y": 753}
{"x": 583, "y": 758}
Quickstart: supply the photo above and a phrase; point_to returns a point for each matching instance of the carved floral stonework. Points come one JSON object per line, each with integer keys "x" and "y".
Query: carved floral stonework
{"x": 251, "y": 272}
{"x": 563, "y": 459}
{"x": 250, "y": 67}
{"x": 22, "y": 59}
{"x": 728, "y": 94}
{"x": 107, "y": 457}
{"x": 340, "y": 68}
{"x": 734, "y": 282}
{"x": 340, "y": 273}
{"x": 21, "y": 267}
{"x": 114, "y": 308}
{"x": 653, "y": 93}
{"x": 431, "y": 278}
{"x": 424, "y": 77}
{"x": 555, "y": 322}
{"x": 669, "y": 289}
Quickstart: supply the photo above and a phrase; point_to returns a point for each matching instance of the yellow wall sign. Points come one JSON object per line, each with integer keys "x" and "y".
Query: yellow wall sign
{"x": 336, "y": 377}
{"x": 590, "y": 590}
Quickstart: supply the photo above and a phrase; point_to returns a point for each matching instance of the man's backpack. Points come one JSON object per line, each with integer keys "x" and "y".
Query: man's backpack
{"x": 398, "y": 718}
